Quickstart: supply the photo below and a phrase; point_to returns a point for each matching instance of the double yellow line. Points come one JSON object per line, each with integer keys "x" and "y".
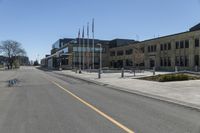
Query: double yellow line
{"x": 126, "y": 129}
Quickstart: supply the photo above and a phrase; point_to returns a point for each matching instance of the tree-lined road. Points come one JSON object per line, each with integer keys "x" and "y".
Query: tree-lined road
{"x": 44, "y": 102}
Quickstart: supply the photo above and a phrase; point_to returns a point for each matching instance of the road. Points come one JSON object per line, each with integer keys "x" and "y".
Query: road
{"x": 45, "y": 102}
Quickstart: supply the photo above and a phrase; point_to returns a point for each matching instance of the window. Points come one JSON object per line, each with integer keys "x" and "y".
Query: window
{"x": 177, "y": 61}
{"x": 177, "y": 45}
{"x": 149, "y": 49}
{"x": 169, "y": 61}
{"x": 196, "y": 42}
{"x": 186, "y": 43}
{"x": 165, "y": 62}
{"x": 161, "y": 47}
{"x": 181, "y": 44}
{"x": 119, "y": 53}
{"x": 154, "y": 48}
{"x": 181, "y": 61}
{"x": 165, "y": 46}
{"x": 112, "y": 53}
{"x": 196, "y": 60}
{"x": 186, "y": 61}
{"x": 161, "y": 62}
{"x": 129, "y": 62}
{"x": 128, "y": 52}
{"x": 169, "y": 46}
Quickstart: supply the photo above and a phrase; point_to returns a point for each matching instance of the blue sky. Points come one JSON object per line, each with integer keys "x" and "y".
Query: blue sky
{"x": 39, "y": 23}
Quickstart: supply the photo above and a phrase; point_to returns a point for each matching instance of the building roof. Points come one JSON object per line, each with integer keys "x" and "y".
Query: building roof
{"x": 121, "y": 42}
{"x": 196, "y": 27}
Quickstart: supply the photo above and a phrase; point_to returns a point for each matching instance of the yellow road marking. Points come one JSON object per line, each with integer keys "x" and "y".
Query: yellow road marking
{"x": 95, "y": 109}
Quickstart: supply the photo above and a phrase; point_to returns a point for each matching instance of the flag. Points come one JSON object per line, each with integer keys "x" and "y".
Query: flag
{"x": 79, "y": 33}
{"x": 88, "y": 29}
{"x": 83, "y": 32}
{"x": 93, "y": 25}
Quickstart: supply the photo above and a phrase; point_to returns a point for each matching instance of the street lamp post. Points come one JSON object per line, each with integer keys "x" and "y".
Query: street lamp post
{"x": 100, "y": 61}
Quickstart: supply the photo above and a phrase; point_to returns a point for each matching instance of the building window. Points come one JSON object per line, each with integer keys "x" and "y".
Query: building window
{"x": 177, "y": 61}
{"x": 165, "y": 46}
{"x": 186, "y": 61}
{"x": 165, "y": 62}
{"x": 177, "y": 45}
{"x": 112, "y": 53}
{"x": 161, "y": 47}
{"x": 169, "y": 46}
{"x": 154, "y": 48}
{"x": 186, "y": 43}
{"x": 169, "y": 61}
{"x": 181, "y": 61}
{"x": 129, "y": 62}
{"x": 196, "y": 60}
{"x": 149, "y": 49}
{"x": 119, "y": 53}
{"x": 129, "y": 52}
{"x": 120, "y": 63}
{"x": 181, "y": 44}
{"x": 161, "y": 62}
{"x": 196, "y": 42}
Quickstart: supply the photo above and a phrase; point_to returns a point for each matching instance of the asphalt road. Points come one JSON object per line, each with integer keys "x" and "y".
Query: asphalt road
{"x": 45, "y": 102}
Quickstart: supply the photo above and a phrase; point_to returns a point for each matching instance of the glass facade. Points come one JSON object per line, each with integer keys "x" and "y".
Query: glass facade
{"x": 85, "y": 49}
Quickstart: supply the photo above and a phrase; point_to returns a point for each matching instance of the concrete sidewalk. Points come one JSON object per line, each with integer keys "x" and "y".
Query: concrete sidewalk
{"x": 182, "y": 92}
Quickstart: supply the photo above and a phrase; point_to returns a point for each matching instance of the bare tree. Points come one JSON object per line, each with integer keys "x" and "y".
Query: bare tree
{"x": 138, "y": 55}
{"x": 11, "y": 49}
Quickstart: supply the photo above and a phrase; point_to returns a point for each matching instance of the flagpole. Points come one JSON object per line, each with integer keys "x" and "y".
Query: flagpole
{"x": 93, "y": 43}
{"x": 83, "y": 49}
{"x": 79, "y": 50}
{"x": 88, "y": 50}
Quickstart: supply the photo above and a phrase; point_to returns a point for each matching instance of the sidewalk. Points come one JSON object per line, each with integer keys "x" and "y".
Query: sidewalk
{"x": 182, "y": 92}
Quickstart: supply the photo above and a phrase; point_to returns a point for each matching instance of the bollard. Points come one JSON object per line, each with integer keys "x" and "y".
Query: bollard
{"x": 79, "y": 71}
{"x": 134, "y": 72}
{"x": 122, "y": 73}
{"x": 154, "y": 71}
{"x": 196, "y": 68}
{"x": 99, "y": 73}
{"x": 76, "y": 70}
{"x": 176, "y": 69}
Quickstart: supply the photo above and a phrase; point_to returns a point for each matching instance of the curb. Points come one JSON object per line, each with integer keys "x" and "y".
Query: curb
{"x": 139, "y": 93}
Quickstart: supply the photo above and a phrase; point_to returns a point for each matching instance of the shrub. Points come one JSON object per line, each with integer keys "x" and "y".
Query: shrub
{"x": 172, "y": 77}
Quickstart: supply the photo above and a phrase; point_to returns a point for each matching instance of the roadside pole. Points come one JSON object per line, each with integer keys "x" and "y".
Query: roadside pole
{"x": 122, "y": 73}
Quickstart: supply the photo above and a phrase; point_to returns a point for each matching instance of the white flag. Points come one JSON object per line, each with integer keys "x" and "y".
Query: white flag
{"x": 88, "y": 29}
{"x": 79, "y": 33}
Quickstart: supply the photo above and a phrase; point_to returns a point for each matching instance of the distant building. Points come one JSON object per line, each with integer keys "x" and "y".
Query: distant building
{"x": 65, "y": 54}
{"x": 163, "y": 53}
